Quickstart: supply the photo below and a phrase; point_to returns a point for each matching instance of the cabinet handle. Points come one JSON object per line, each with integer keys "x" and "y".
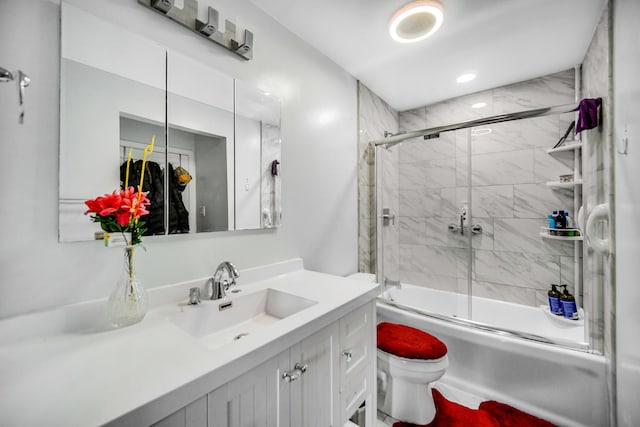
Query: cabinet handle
{"x": 288, "y": 377}
{"x": 348, "y": 355}
{"x": 298, "y": 370}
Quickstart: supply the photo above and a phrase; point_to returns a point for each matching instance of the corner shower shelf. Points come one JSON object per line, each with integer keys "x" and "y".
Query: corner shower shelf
{"x": 568, "y": 146}
{"x": 544, "y": 233}
{"x": 559, "y": 184}
{"x": 563, "y": 320}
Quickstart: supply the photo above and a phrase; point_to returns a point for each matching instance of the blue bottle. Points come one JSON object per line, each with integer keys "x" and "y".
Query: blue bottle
{"x": 568, "y": 304}
{"x": 554, "y": 301}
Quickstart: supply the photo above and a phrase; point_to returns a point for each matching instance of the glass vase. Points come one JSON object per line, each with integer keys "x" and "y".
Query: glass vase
{"x": 128, "y": 301}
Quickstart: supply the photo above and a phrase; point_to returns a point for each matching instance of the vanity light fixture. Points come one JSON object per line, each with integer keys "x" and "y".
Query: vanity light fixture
{"x": 479, "y": 105}
{"x": 467, "y": 77}
{"x": 187, "y": 16}
{"x": 416, "y": 21}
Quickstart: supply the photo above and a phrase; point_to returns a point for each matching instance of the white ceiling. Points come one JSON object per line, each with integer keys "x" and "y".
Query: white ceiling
{"x": 503, "y": 41}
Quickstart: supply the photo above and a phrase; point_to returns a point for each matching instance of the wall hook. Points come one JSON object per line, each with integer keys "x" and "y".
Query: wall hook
{"x": 23, "y": 81}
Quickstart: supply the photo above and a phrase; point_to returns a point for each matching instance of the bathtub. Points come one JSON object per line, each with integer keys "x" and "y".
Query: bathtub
{"x": 563, "y": 385}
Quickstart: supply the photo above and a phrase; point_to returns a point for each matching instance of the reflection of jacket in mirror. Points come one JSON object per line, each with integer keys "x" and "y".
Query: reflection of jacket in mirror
{"x": 154, "y": 185}
{"x": 178, "y": 214}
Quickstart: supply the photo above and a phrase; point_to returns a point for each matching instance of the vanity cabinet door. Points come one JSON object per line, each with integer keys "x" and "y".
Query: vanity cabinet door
{"x": 357, "y": 363}
{"x": 313, "y": 393}
{"x": 257, "y": 398}
{"x": 192, "y": 415}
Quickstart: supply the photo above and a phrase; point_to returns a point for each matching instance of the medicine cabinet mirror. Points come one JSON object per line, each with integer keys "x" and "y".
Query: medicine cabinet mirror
{"x": 216, "y": 158}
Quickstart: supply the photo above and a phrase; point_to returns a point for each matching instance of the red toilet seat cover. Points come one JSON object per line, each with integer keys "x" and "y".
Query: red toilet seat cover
{"x": 411, "y": 343}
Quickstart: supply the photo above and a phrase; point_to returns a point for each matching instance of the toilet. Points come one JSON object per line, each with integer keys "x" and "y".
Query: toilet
{"x": 409, "y": 360}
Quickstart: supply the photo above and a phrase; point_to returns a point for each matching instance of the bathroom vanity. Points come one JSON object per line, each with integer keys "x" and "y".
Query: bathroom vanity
{"x": 296, "y": 349}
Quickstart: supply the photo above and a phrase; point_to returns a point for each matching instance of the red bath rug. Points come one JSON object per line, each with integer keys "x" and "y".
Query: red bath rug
{"x": 411, "y": 343}
{"x": 451, "y": 414}
{"x": 489, "y": 414}
{"x": 508, "y": 416}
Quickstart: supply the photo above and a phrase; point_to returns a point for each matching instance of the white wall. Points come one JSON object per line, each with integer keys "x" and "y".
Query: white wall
{"x": 626, "y": 69}
{"x": 318, "y": 173}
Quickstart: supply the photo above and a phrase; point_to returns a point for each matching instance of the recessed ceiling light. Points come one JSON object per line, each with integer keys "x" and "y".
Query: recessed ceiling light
{"x": 467, "y": 77}
{"x": 416, "y": 21}
{"x": 480, "y": 131}
{"x": 479, "y": 105}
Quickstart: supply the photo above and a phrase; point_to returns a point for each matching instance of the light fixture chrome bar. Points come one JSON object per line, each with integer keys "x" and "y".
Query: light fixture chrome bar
{"x": 428, "y": 133}
{"x": 187, "y": 16}
{"x": 485, "y": 327}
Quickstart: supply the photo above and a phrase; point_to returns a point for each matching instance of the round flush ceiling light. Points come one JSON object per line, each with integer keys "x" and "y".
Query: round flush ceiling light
{"x": 479, "y": 105}
{"x": 416, "y": 21}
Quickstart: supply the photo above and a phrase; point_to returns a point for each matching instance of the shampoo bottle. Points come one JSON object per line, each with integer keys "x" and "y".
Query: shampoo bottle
{"x": 561, "y": 221}
{"x": 554, "y": 301}
{"x": 568, "y": 303}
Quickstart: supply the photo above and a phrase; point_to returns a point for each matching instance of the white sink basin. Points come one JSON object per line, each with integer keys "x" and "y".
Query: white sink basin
{"x": 219, "y": 322}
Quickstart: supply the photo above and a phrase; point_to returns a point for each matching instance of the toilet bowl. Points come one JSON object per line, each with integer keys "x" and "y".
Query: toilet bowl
{"x": 404, "y": 390}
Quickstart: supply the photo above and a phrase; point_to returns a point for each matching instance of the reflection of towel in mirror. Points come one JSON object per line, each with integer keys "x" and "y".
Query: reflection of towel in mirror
{"x": 588, "y": 114}
{"x": 154, "y": 185}
{"x": 178, "y": 214}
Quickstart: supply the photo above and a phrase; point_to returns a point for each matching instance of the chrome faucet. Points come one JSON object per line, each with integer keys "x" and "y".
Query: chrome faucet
{"x": 219, "y": 287}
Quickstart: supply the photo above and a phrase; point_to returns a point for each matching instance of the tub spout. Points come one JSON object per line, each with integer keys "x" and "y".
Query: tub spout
{"x": 392, "y": 283}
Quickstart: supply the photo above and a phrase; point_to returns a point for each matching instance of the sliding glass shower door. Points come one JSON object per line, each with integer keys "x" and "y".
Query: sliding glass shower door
{"x": 464, "y": 216}
{"x": 422, "y": 221}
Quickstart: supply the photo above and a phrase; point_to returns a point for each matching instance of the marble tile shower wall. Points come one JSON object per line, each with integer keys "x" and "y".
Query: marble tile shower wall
{"x": 509, "y": 195}
{"x": 375, "y": 117}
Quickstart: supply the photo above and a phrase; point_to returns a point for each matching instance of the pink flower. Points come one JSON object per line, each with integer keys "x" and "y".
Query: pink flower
{"x": 120, "y": 211}
{"x": 123, "y": 218}
{"x": 134, "y": 203}
{"x": 105, "y": 205}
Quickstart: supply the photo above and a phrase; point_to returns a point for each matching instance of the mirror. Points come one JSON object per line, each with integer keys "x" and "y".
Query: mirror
{"x": 201, "y": 142}
{"x": 214, "y": 169}
{"x": 96, "y": 90}
{"x": 258, "y": 163}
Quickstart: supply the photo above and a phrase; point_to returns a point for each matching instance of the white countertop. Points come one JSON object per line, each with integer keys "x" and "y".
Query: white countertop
{"x": 75, "y": 377}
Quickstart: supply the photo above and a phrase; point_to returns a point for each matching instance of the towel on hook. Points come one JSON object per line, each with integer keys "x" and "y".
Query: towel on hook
{"x": 588, "y": 114}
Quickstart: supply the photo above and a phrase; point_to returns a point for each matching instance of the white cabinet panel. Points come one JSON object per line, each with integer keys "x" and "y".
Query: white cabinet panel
{"x": 258, "y": 398}
{"x": 192, "y": 415}
{"x": 312, "y": 395}
{"x": 357, "y": 363}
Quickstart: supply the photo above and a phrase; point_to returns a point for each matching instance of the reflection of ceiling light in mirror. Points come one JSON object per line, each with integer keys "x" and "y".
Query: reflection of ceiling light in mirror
{"x": 480, "y": 131}
{"x": 479, "y": 105}
{"x": 416, "y": 21}
{"x": 467, "y": 77}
